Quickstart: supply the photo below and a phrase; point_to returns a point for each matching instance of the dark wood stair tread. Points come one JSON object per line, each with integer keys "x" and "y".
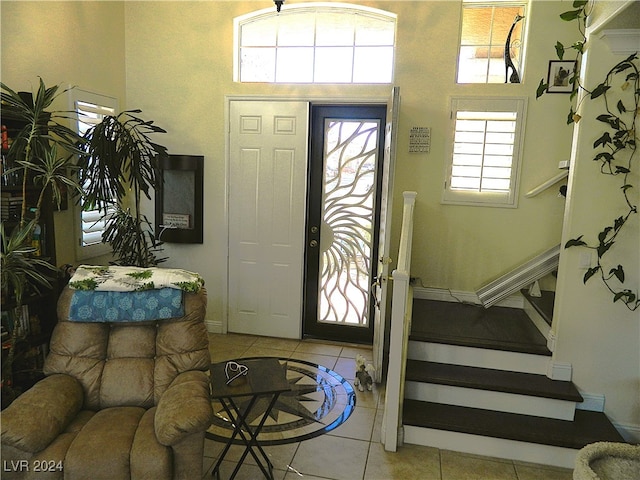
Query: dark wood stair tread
{"x": 489, "y": 379}
{"x": 587, "y": 427}
{"x": 497, "y": 328}
{"x": 543, "y": 304}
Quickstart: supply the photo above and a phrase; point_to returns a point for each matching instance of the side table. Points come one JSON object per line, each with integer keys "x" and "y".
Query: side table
{"x": 265, "y": 378}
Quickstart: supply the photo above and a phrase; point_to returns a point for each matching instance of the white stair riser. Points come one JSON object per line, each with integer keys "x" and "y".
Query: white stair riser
{"x": 478, "y": 357}
{"x": 490, "y": 447}
{"x": 490, "y": 400}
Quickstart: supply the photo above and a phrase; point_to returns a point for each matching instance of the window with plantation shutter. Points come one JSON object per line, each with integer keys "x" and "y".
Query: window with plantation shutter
{"x": 485, "y": 151}
{"x": 90, "y": 109}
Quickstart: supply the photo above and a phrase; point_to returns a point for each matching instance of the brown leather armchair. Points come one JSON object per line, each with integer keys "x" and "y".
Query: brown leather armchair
{"x": 119, "y": 401}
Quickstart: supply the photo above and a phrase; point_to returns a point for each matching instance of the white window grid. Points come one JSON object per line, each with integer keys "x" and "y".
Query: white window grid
{"x": 491, "y": 69}
{"x": 315, "y": 43}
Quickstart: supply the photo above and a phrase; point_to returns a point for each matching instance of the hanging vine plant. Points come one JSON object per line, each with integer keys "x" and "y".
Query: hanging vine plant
{"x": 615, "y": 150}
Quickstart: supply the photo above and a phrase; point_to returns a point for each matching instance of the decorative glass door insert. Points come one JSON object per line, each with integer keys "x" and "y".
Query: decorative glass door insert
{"x": 348, "y": 218}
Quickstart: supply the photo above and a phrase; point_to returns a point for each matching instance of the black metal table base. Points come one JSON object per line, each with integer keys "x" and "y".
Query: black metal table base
{"x": 249, "y": 435}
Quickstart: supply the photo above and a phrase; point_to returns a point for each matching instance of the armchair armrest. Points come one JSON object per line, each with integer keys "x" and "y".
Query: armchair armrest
{"x": 184, "y": 408}
{"x": 39, "y": 415}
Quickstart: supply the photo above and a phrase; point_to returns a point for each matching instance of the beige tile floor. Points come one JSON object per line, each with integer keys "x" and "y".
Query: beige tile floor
{"x": 353, "y": 451}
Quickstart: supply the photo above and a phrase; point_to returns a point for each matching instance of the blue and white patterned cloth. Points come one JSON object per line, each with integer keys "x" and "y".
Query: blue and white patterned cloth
{"x": 129, "y": 294}
{"x": 109, "y": 306}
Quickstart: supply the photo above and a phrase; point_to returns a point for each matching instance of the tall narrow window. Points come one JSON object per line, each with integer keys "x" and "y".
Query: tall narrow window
{"x": 487, "y": 27}
{"x": 91, "y": 108}
{"x": 315, "y": 43}
{"x": 485, "y": 154}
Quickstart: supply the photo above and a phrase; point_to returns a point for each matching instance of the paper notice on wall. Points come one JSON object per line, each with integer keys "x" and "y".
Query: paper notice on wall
{"x": 176, "y": 220}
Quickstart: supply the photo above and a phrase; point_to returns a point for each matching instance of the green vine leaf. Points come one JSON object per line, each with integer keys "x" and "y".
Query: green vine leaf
{"x": 604, "y": 140}
{"x": 580, "y": 3}
{"x": 604, "y": 157}
{"x": 612, "y": 120}
{"x": 621, "y": 169}
{"x": 560, "y": 50}
{"x": 570, "y": 15}
{"x": 599, "y": 90}
{"x": 617, "y": 225}
{"x": 622, "y": 66}
{"x": 603, "y": 234}
{"x": 626, "y": 187}
{"x": 575, "y": 242}
{"x": 618, "y": 273}
{"x": 604, "y": 248}
{"x": 590, "y": 273}
{"x": 627, "y": 296}
{"x": 621, "y": 107}
{"x": 542, "y": 88}
{"x": 579, "y": 46}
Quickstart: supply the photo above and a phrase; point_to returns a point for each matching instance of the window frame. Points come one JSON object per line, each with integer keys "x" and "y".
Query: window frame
{"x": 452, "y": 196}
{"x": 315, "y": 8}
{"x": 110, "y": 105}
{"x": 526, "y": 7}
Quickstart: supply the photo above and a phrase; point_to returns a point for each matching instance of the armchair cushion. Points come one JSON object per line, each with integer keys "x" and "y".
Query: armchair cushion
{"x": 40, "y": 414}
{"x": 184, "y": 408}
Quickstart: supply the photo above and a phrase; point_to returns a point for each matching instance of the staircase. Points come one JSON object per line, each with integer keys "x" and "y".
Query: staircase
{"x": 476, "y": 382}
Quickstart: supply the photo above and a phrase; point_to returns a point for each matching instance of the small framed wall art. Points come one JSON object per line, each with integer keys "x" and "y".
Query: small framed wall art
{"x": 559, "y": 76}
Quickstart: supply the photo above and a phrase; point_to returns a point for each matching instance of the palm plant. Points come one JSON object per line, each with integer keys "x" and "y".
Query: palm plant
{"x": 35, "y": 147}
{"x": 33, "y": 156}
{"x": 118, "y": 152}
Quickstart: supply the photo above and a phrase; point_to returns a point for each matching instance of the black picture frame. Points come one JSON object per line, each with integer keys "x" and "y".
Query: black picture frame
{"x": 559, "y": 76}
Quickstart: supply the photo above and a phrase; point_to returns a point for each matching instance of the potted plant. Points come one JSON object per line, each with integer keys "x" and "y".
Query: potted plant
{"x": 40, "y": 161}
{"x": 118, "y": 152}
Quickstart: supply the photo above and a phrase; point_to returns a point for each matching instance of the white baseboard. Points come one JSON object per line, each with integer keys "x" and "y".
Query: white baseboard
{"x": 630, "y": 432}
{"x": 562, "y": 371}
{"x": 592, "y": 402}
{"x": 446, "y": 295}
{"x": 214, "y": 326}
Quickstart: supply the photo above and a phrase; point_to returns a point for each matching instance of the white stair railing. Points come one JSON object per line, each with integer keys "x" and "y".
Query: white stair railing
{"x": 401, "y": 305}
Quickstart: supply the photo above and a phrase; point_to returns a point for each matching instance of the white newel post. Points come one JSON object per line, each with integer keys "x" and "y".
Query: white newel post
{"x": 401, "y": 304}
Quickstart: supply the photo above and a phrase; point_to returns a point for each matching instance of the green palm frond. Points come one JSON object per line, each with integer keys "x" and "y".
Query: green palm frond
{"x": 19, "y": 268}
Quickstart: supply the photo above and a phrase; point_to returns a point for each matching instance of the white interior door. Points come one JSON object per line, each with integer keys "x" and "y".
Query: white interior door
{"x": 381, "y": 286}
{"x": 267, "y": 196}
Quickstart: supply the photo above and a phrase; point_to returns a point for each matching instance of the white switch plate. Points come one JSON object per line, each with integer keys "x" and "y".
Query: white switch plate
{"x": 585, "y": 260}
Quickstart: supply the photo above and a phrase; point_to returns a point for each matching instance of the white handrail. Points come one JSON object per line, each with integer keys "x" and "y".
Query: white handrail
{"x": 401, "y": 304}
{"x": 549, "y": 183}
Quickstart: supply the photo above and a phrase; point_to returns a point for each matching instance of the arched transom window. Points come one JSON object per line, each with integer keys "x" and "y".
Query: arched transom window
{"x": 315, "y": 43}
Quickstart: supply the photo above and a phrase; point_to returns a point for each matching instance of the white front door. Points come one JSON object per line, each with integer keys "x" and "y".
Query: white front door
{"x": 267, "y": 196}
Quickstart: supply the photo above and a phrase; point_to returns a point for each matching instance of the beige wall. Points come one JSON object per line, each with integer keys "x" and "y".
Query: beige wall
{"x": 181, "y": 53}
{"x": 175, "y": 60}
